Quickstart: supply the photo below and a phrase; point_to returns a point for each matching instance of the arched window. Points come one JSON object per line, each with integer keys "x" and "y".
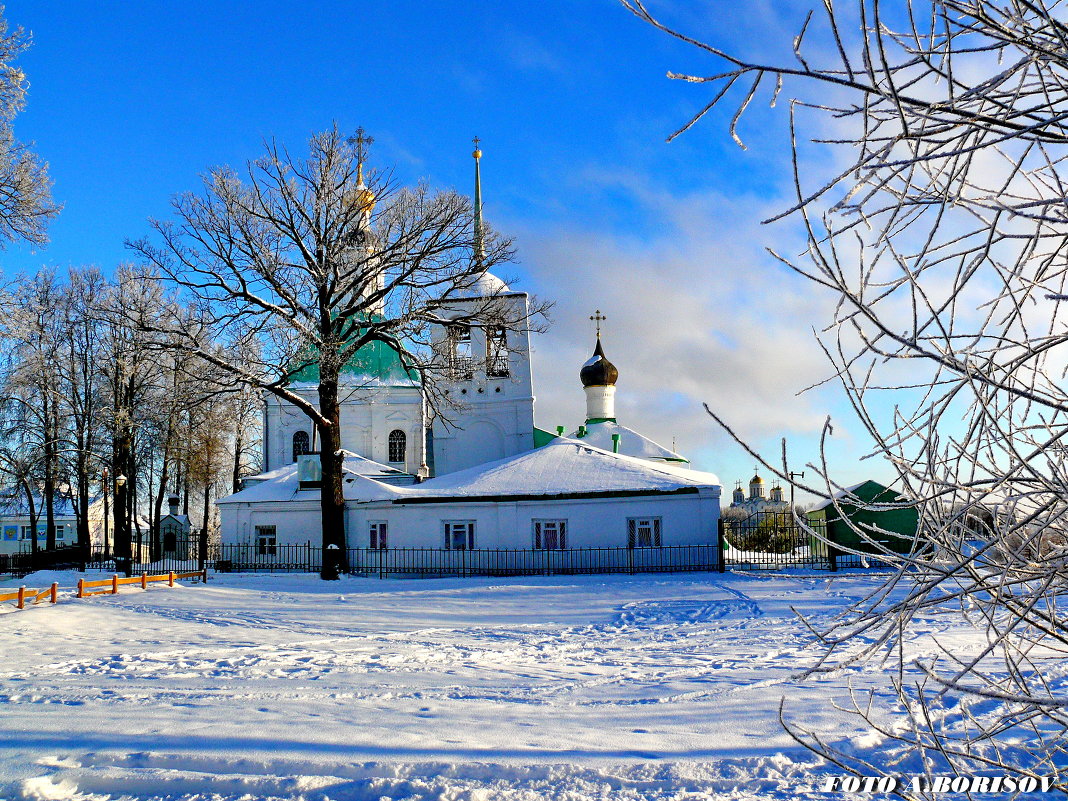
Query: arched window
{"x": 461, "y": 361}
{"x": 301, "y": 444}
{"x": 496, "y": 352}
{"x": 398, "y": 444}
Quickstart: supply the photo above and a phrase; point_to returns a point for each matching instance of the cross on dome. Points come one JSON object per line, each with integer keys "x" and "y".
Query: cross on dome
{"x": 598, "y": 318}
{"x": 362, "y": 141}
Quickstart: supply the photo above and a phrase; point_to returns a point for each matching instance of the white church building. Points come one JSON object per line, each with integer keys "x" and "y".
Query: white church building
{"x": 480, "y": 481}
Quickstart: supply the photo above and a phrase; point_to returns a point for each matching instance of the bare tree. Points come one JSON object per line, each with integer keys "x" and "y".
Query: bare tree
{"x": 942, "y": 233}
{"x": 25, "y": 190}
{"x": 132, "y": 383}
{"x": 80, "y": 391}
{"x": 32, "y": 334}
{"x": 302, "y": 262}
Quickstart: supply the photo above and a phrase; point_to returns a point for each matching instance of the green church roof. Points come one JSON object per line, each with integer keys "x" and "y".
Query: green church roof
{"x": 376, "y": 363}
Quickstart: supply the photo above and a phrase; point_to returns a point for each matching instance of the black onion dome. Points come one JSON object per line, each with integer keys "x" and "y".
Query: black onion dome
{"x": 598, "y": 371}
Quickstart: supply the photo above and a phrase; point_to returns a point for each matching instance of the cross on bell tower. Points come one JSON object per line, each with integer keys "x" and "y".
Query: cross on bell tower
{"x": 362, "y": 143}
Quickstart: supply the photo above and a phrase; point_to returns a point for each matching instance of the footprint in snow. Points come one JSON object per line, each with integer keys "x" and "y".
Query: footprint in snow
{"x": 686, "y": 611}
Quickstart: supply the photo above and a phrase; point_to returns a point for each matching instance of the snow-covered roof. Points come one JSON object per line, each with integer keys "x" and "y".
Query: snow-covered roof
{"x": 13, "y": 503}
{"x": 364, "y": 480}
{"x": 563, "y": 467}
{"x": 631, "y": 443}
{"x": 486, "y": 285}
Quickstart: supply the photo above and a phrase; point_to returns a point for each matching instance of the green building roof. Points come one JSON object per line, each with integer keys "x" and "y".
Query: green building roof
{"x": 376, "y": 363}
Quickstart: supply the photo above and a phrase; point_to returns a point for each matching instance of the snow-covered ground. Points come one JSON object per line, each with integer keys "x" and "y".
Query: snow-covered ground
{"x": 275, "y": 686}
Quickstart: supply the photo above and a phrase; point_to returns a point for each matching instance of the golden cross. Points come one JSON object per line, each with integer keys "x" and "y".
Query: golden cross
{"x": 362, "y": 141}
{"x": 598, "y": 318}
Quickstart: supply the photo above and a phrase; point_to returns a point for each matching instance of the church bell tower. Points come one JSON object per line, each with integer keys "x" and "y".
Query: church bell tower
{"x": 488, "y": 366}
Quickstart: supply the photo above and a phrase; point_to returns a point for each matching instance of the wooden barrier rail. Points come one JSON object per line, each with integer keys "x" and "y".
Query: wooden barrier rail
{"x": 115, "y": 582}
{"x": 23, "y": 596}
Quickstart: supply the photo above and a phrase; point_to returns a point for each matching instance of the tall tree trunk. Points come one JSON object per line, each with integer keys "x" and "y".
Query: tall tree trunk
{"x": 27, "y": 486}
{"x": 202, "y": 546}
{"x": 81, "y": 511}
{"x": 332, "y": 492}
{"x": 239, "y": 444}
{"x": 48, "y": 411}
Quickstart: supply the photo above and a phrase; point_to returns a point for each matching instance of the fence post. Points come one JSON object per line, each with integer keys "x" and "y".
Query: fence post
{"x": 114, "y": 583}
{"x": 22, "y": 598}
{"x": 721, "y": 549}
{"x": 54, "y": 595}
{"x": 81, "y": 588}
{"x": 170, "y": 578}
{"x": 144, "y": 581}
{"x": 204, "y": 578}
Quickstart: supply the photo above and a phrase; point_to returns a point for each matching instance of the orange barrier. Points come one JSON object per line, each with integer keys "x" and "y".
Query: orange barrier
{"x": 22, "y": 596}
{"x": 115, "y": 582}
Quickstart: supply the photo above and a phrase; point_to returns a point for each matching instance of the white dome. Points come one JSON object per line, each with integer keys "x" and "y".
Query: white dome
{"x": 485, "y": 285}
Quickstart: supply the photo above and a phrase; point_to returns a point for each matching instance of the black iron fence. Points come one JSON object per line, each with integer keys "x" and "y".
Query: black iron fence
{"x": 307, "y": 557}
{"x": 762, "y": 541}
{"x": 19, "y": 564}
{"x": 775, "y": 540}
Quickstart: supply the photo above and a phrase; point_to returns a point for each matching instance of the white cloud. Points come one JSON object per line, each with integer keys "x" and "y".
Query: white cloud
{"x": 697, "y": 313}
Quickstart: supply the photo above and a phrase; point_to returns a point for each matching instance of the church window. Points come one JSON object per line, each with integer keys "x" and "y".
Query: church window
{"x": 496, "y": 352}
{"x": 398, "y": 444}
{"x": 266, "y": 540}
{"x": 643, "y": 532}
{"x": 378, "y": 532}
{"x": 461, "y": 364}
{"x": 459, "y": 535}
{"x": 550, "y": 535}
{"x": 301, "y": 444}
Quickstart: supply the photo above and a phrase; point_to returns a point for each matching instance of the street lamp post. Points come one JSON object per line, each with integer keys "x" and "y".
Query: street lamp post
{"x": 107, "y": 514}
{"x": 123, "y": 546}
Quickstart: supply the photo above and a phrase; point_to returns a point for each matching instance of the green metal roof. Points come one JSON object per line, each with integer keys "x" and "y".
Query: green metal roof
{"x": 376, "y": 362}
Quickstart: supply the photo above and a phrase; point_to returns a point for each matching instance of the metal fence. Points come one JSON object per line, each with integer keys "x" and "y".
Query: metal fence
{"x": 530, "y": 562}
{"x": 19, "y": 564}
{"x": 762, "y": 541}
{"x": 307, "y": 557}
{"x": 775, "y": 540}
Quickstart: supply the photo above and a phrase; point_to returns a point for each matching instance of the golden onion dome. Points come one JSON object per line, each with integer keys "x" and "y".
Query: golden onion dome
{"x": 361, "y": 197}
{"x": 756, "y": 480}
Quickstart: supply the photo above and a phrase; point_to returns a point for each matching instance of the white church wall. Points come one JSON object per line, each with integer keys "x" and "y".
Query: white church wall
{"x": 296, "y": 522}
{"x": 367, "y": 418}
{"x": 687, "y": 519}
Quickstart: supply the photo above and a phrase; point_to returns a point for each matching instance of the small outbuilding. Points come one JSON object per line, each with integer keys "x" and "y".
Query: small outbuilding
{"x": 175, "y": 531}
{"x": 887, "y": 519}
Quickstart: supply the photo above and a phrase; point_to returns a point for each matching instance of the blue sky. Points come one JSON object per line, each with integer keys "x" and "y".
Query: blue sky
{"x": 129, "y": 103}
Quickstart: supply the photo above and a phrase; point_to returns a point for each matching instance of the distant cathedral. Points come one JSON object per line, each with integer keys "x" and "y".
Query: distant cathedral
{"x": 757, "y": 502}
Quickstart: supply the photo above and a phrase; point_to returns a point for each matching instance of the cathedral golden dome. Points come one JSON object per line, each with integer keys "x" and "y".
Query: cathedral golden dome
{"x": 361, "y": 197}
